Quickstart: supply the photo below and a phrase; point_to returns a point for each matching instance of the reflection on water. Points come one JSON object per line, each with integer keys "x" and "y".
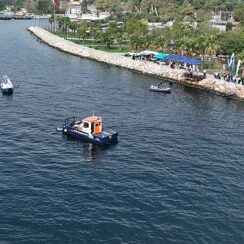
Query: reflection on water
{"x": 8, "y": 97}
{"x": 90, "y": 151}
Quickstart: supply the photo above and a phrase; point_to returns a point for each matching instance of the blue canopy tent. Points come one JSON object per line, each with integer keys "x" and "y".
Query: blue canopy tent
{"x": 191, "y": 72}
{"x": 183, "y": 59}
{"x": 160, "y": 55}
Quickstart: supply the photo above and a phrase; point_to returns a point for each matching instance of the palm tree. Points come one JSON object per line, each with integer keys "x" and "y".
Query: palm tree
{"x": 65, "y": 24}
{"x": 212, "y": 46}
{"x": 158, "y": 43}
{"x": 59, "y": 22}
{"x": 201, "y": 44}
{"x": 119, "y": 38}
{"x": 51, "y": 20}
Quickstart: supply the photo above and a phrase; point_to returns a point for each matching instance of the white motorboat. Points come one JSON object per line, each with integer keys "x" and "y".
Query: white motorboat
{"x": 160, "y": 88}
{"x": 7, "y": 86}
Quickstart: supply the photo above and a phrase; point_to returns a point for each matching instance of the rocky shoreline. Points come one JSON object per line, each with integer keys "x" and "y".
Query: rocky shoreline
{"x": 219, "y": 87}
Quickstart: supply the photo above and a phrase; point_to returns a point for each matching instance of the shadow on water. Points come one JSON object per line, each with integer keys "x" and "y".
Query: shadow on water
{"x": 193, "y": 90}
{"x": 91, "y": 152}
{"x": 8, "y": 96}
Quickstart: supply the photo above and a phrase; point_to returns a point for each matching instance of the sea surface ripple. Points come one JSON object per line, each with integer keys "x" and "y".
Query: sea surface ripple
{"x": 176, "y": 175}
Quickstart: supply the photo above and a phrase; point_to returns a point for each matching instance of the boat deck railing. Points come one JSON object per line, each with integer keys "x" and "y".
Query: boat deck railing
{"x": 70, "y": 121}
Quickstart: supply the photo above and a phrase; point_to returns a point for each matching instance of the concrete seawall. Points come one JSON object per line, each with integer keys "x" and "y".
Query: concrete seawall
{"x": 162, "y": 71}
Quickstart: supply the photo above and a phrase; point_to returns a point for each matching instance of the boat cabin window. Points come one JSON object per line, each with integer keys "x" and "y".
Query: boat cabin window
{"x": 85, "y": 125}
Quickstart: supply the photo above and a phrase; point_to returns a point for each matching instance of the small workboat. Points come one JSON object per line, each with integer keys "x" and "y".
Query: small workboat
{"x": 90, "y": 130}
{"x": 160, "y": 88}
{"x": 7, "y": 86}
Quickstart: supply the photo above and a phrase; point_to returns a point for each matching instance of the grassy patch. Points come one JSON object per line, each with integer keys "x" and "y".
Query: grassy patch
{"x": 93, "y": 44}
{"x": 212, "y": 66}
{"x": 63, "y": 34}
{"x": 102, "y": 47}
{"x": 114, "y": 49}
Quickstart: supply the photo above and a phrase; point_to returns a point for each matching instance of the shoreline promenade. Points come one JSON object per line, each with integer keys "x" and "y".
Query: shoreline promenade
{"x": 219, "y": 87}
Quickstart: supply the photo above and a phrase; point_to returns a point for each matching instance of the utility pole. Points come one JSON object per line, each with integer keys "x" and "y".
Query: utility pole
{"x": 54, "y": 19}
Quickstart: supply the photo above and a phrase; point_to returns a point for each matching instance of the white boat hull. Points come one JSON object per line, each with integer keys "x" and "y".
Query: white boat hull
{"x": 160, "y": 89}
{"x": 7, "y": 86}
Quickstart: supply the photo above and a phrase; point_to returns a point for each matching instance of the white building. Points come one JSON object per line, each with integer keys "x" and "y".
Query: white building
{"x": 74, "y": 9}
{"x": 217, "y": 22}
{"x": 94, "y": 17}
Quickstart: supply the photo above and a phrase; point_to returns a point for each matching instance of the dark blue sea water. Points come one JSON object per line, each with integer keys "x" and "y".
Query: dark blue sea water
{"x": 176, "y": 175}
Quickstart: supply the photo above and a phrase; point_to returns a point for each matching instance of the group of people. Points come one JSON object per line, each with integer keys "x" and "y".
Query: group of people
{"x": 230, "y": 78}
{"x": 192, "y": 70}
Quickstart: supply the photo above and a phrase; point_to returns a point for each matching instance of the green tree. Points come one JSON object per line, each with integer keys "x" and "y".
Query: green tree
{"x": 44, "y": 6}
{"x": 231, "y": 41}
{"x": 145, "y": 6}
{"x": 51, "y": 20}
{"x": 120, "y": 37}
{"x": 228, "y": 26}
{"x": 168, "y": 37}
{"x": 198, "y": 4}
{"x": 240, "y": 56}
{"x": 73, "y": 26}
{"x": 82, "y": 31}
{"x": 201, "y": 44}
{"x": 203, "y": 16}
{"x": 206, "y": 28}
{"x": 84, "y": 7}
{"x": 130, "y": 6}
{"x": 109, "y": 36}
{"x": 186, "y": 10}
{"x": 30, "y": 6}
{"x": 106, "y": 38}
{"x": 136, "y": 27}
{"x": 97, "y": 32}
{"x": 136, "y": 42}
{"x": 186, "y": 44}
{"x": 157, "y": 43}
{"x": 239, "y": 13}
{"x": 2, "y": 6}
{"x": 180, "y": 30}
{"x": 64, "y": 24}
{"x": 106, "y": 5}
{"x": 112, "y": 28}
{"x": 212, "y": 46}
